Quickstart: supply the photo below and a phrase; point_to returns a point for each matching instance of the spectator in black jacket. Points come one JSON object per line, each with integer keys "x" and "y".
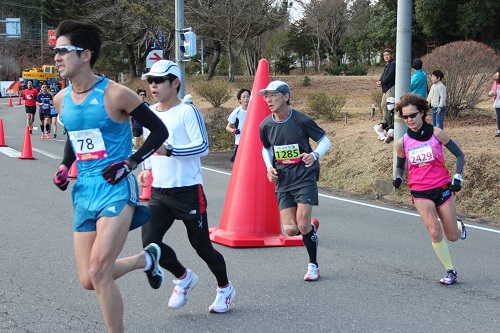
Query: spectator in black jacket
{"x": 387, "y": 80}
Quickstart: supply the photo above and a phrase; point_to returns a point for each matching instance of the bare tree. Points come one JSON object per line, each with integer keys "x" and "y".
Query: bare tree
{"x": 135, "y": 25}
{"x": 328, "y": 19}
{"x": 232, "y": 23}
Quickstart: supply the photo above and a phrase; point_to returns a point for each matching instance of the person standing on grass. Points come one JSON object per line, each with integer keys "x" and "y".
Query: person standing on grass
{"x": 437, "y": 99}
{"x": 429, "y": 179}
{"x": 495, "y": 93}
{"x": 387, "y": 80}
{"x": 293, "y": 166}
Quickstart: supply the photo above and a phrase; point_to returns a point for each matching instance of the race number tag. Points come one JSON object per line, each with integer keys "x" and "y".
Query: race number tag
{"x": 421, "y": 155}
{"x": 88, "y": 144}
{"x": 287, "y": 154}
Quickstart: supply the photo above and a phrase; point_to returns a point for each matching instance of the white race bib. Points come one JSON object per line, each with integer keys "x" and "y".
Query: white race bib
{"x": 421, "y": 155}
{"x": 88, "y": 144}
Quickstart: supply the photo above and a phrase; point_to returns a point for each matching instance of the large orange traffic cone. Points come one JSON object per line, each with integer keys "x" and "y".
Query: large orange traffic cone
{"x": 2, "y": 135}
{"x": 19, "y": 102}
{"x": 146, "y": 190}
{"x": 251, "y": 218}
{"x": 27, "y": 153}
{"x": 10, "y": 101}
{"x": 73, "y": 171}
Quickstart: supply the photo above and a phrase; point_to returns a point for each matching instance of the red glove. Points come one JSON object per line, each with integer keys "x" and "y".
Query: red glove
{"x": 61, "y": 178}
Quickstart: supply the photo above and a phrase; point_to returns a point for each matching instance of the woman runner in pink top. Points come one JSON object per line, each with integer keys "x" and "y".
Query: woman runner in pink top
{"x": 428, "y": 177}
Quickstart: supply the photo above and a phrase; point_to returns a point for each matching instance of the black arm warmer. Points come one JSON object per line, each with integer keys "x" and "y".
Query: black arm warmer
{"x": 69, "y": 155}
{"x": 400, "y": 166}
{"x": 455, "y": 150}
{"x": 156, "y": 138}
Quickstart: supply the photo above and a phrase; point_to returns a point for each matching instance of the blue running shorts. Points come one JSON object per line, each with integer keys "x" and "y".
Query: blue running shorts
{"x": 93, "y": 198}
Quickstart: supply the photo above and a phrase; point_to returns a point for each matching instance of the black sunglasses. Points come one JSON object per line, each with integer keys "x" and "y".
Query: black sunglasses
{"x": 62, "y": 50}
{"x": 157, "y": 80}
{"x": 412, "y": 116}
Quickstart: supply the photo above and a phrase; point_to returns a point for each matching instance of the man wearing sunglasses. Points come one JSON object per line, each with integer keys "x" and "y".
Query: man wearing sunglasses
{"x": 177, "y": 189}
{"x": 96, "y": 113}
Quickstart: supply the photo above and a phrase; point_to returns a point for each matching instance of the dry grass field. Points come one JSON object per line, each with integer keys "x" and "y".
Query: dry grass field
{"x": 358, "y": 159}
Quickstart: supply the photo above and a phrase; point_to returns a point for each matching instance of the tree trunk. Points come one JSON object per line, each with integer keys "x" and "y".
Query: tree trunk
{"x": 215, "y": 60}
{"x": 131, "y": 61}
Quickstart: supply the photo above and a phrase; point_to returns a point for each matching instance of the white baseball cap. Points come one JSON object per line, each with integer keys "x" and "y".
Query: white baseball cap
{"x": 188, "y": 98}
{"x": 391, "y": 100}
{"x": 163, "y": 68}
{"x": 276, "y": 86}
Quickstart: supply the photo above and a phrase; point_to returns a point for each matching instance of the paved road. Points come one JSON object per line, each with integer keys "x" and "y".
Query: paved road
{"x": 379, "y": 272}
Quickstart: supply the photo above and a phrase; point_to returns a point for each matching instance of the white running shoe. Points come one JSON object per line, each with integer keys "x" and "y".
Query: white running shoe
{"x": 223, "y": 299}
{"x": 312, "y": 273}
{"x": 182, "y": 289}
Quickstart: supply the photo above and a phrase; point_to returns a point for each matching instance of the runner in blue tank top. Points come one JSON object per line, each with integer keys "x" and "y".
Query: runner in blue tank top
{"x": 96, "y": 114}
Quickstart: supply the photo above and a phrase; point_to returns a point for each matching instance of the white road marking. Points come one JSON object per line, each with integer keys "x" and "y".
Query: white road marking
{"x": 46, "y": 153}
{"x": 10, "y": 152}
{"x": 372, "y": 206}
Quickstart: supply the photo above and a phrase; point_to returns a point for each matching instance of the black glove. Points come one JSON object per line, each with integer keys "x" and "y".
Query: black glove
{"x": 456, "y": 183}
{"x": 397, "y": 182}
{"x": 237, "y": 131}
{"x": 61, "y": 178}
{"x": 118, "y": 170}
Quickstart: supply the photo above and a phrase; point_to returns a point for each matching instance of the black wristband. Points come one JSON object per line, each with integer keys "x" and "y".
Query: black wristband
{"x": 69, "y": 155}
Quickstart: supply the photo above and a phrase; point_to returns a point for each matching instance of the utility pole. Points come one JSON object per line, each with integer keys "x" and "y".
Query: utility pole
{"x": 41, "y": 38}
{"x": 202, "y": 59}
{"x": 179, "y": 56}
{"x": 403, "y": 65}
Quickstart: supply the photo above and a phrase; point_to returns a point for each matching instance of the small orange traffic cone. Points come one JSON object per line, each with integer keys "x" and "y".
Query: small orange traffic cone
{"x": 146, "y": 190}
{"x": 2, "y": 135}
{"x": 10, "y": 101}
{"x": 19, "y": 102}
{"x": 73, "y": 171}
{"x": 27, "y": 153}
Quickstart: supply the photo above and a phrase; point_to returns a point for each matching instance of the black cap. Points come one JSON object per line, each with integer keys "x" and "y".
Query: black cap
{"x": 416, "y": 64}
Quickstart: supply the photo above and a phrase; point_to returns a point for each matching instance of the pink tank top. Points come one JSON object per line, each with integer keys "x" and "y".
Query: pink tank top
{"x": 426, "y": 167}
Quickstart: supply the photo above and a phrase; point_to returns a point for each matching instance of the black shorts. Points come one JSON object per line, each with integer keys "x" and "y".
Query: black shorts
{"x": 438, "y": 195}
{"x": 185, "y": 203}
{"x": 43, "y": 115}
{"x": 137, "y": 132}
{"x": 30, "y": 109}
{"x": 305, "y": 195}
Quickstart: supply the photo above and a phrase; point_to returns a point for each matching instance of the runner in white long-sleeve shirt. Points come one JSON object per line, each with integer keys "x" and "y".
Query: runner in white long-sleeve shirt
{"x": 177, "y": 189}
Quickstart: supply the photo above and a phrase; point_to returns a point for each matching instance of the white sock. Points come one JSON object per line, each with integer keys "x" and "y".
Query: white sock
{"x": 149, "y": 261}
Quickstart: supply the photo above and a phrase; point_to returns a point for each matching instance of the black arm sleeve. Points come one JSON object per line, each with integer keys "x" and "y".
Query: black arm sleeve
{"x": 69, "y": 155}
{"x": 455, "y": 150}
{"x": 400, "y": 166}
{"x": 156, "y": 138}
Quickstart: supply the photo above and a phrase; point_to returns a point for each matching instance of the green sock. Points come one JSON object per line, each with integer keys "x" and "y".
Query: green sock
{"x": 443, "y": 253}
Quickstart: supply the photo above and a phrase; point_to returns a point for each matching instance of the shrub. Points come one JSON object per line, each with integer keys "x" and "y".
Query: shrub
{"x": 357, "y": 70}
{"x": 218, "y": 138}
{"x": 323, "y": 105}
{"x": 306, "y": 82}
{"x": 216, "y": 92}
{"x": 467, "y": 67}
{"x": 333, "y": 70}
